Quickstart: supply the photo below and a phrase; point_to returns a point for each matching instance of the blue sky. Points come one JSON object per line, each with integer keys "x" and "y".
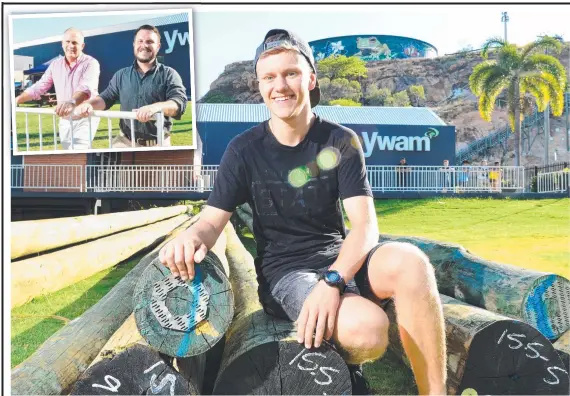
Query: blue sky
{"x": 226, "y": 34}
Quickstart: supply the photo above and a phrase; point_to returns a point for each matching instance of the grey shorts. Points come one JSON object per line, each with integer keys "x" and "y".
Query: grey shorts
{"x": 289, "y": 293}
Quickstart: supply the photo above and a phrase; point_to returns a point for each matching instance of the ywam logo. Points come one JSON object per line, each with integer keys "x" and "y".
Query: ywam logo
{"x": 432, "y": 132}
{"x": 396, "y": 143}
{"x": 171, "y": 40}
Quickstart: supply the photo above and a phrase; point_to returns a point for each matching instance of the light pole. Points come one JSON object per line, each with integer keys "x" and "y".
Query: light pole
{"x": 505, "y": 19}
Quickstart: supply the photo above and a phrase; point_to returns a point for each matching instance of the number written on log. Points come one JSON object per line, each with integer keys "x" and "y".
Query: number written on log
{"x": 110, "y": 387}
{"x": 314, "y": 366}
{"x": 517, "y": 344}
{"x": 167, "y": 378}
{"x": 154, "y": 388}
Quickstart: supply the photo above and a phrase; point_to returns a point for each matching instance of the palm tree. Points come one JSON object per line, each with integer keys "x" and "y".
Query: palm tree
{"x": 524, "y": 73}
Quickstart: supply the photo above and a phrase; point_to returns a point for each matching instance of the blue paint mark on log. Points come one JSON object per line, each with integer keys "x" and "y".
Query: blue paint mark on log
{"x": 185, "y": 343}
{"x": 535, "y": 303}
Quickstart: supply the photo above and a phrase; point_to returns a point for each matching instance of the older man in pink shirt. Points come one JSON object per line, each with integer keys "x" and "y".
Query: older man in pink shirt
{"x": 75, "y": 78}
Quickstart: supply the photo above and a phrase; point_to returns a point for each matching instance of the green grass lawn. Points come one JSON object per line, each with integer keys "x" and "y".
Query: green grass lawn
{"x": 528, "y": 233}
{"x": 181, "y": 131}
{"x": 531, "y": 234}
{"x": 36, "y": 321}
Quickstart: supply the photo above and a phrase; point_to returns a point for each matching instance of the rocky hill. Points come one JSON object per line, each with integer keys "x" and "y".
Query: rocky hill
{"x": 445, "y": 81}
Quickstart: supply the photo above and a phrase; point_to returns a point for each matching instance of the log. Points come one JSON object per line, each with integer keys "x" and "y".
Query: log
{"x": 28, "y": 237}
{"x": 137, "y": 370}
{"x": 51, "y": 272}
{"x": 261, "y": 355}
{"x": 562, "y": 346}
{"x": 488, "y": 353}
{"x": 245, "y": 217}
{"x": 540, "y": 299}
{"x": 63, "y": 357}
{"x": 184, "y": 319}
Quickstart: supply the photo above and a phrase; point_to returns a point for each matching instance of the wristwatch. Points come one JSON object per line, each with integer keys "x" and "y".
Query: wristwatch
{"x": 334, "y": 279}
{"x": 72, "y": 102}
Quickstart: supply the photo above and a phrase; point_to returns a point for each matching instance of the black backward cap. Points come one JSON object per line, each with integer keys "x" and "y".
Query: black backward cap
{"x": 298, "y": 43}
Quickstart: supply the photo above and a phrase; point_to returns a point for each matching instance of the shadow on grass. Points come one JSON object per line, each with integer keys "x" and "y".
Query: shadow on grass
{"x": 392, "y": 206}
{"x": 31, "y": 339}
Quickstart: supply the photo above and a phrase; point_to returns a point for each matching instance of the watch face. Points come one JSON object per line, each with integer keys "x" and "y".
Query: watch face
{"x": 333, "y": 277}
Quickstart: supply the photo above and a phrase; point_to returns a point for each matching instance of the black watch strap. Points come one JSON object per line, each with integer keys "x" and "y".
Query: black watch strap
{"x": 334, "y": 279}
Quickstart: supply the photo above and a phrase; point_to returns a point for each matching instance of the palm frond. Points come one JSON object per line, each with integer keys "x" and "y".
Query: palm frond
{"x": 491, "y": 88}
{"x": 541, "y": 44}
{"x": 491, "y": 43}
{"x": 551, "y": 91}
{"x": 538, "y": 90}
{"x": 545, "y": 63}
{"x": 482, "y": 72}
{"x": 509, "y": 57}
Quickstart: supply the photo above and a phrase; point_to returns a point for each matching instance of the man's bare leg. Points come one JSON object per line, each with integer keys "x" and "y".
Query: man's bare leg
{"x": 403, "y": 271}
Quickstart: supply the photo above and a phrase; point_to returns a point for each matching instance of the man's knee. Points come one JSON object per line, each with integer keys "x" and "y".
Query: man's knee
{"x": 402, "y": 265}
{"x": 361, "y": 330}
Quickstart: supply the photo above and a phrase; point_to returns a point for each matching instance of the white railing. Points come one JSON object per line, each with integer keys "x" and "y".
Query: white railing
{"x": 109, "y": 115}
{"x": 558, "y": 181}
{"x": 48, "y": 177}
{"x": 201, "y": 178}
{"x": 450, "y": 179}
{"x": 160, "y": 178}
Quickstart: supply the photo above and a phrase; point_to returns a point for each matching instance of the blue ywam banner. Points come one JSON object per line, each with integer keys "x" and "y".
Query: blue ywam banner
{"x": 420, "y": 145}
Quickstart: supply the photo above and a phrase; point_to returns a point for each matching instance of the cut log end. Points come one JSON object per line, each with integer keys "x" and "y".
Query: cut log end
{"x": 510, "y": 357}
{"x": 285, "y": 368}
{"x": 183, "y": 319}
{"x": 138, "y": 370}
{"x": 547, "y": 308}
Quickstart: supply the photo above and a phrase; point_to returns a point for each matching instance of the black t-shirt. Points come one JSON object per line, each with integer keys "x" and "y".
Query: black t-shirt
{"x": 294, "y": 193}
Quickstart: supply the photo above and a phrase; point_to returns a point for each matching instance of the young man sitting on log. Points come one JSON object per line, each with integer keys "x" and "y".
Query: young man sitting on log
{"x": 293, "y": 170}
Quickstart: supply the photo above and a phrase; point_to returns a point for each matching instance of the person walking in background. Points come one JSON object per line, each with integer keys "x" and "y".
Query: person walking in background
{"x": 146, "y": 87}
{"x": 483, "y": 176}
{"x": 402, "y": 174}
{"x": 75, "y": 77}
{"x": 447, "y": 175}
{"x": 495, "y": 177}
{"x": 463, "y": 177}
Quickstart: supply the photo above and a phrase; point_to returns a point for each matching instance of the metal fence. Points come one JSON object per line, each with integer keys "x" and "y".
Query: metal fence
{"x": 451, "y": 179}
{"x": 47, "y": 177}
{"x": 532, "y": 172}
{"x": 558, "y": 181}
{"x": 200, "y": 178}
{"x": 109, "y": 115}
{"x": 161, "y": 178}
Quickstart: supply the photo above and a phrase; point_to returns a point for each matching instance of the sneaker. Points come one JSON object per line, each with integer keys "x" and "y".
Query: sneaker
{"x": 359, "y": 384}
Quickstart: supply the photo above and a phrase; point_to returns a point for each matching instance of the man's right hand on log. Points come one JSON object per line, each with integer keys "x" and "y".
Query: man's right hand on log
{"x": 180, "y": 254}
{"x": 191, "y": 246}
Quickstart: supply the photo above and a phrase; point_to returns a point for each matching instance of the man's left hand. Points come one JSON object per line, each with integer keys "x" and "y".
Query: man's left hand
{"x": 145, "y": 113}
{"x": 318, "y": 315}
{"x": 64, "y": 109}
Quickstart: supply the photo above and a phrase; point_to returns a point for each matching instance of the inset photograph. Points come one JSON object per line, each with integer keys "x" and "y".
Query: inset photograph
{"x": 112, "y": 81}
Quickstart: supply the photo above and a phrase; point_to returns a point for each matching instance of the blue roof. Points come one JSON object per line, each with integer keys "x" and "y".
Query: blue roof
{"x": 367, "y": 115}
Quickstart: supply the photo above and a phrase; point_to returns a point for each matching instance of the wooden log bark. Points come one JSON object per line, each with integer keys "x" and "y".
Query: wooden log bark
{"x": 562, "y": 346}
{"x": 27, "y": 237}
{"x": 490, "y": 353}
{"x": 185, "y": 319}
{"x": 48, "y": 273}
{"x": 261, "y": 355}
{"x": 61, "y": 359}
{"x": 539, "y": 298}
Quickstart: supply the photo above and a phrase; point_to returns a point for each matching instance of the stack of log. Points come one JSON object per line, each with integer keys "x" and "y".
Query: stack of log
{"x": 154, "y": 334}
{"x": 501, "y": 322}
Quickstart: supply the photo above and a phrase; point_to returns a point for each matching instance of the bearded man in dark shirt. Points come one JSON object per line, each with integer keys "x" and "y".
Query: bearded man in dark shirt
{"x": 293, "y": 170}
